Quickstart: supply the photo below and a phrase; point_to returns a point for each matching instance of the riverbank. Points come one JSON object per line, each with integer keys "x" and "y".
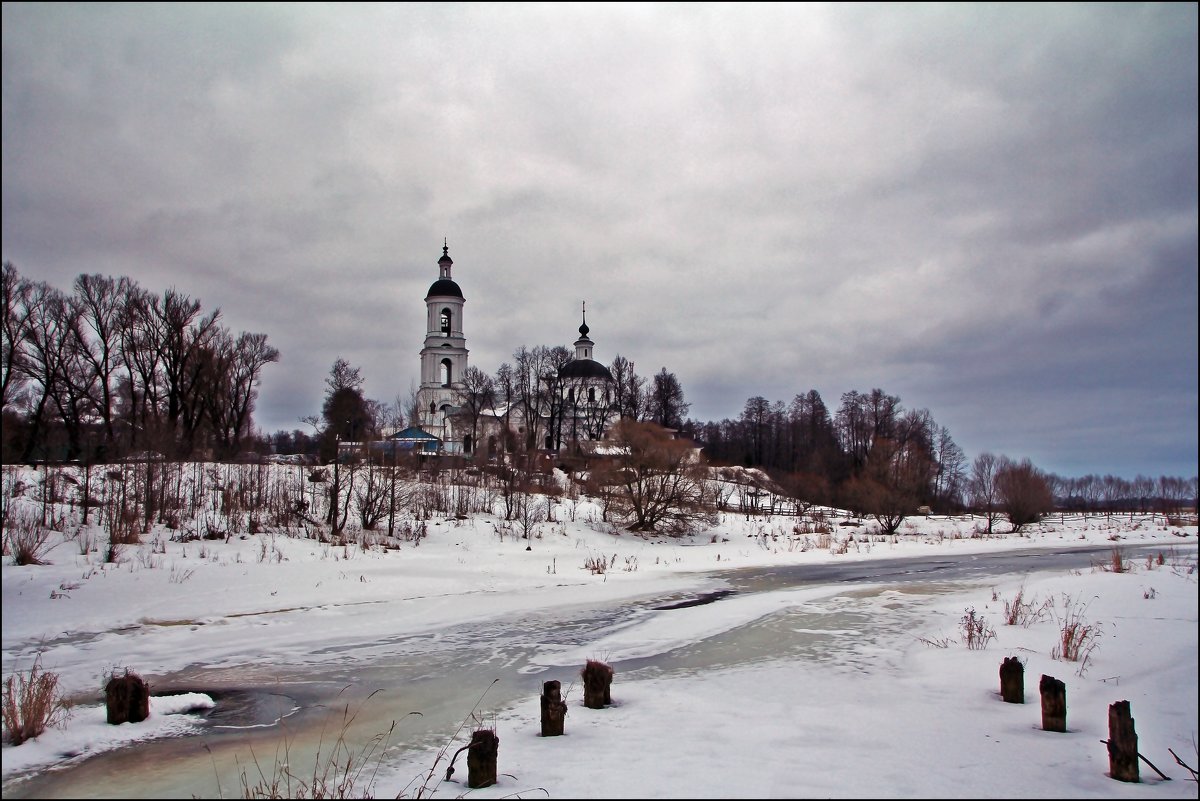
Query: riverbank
{"x": 262, "y": 604}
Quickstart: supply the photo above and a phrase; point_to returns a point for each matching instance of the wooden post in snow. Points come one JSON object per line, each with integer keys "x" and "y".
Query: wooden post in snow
{"x": 554, "y": 709}
{"x": 126, "y": 699}
{"x": 481, "y": 758}
{"x": 597, "y": 681}
{"x": 1122, "y": 744}
{"x": 1054, "y": 704}
{"x": 1012, "y": 680}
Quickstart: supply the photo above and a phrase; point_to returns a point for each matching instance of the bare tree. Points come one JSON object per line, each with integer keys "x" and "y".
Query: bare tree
{"x": 526, "y": 376}
{"x": 890, "y": 484}
{"x": 985, "y": 495}
{"x": 535, "y": 393}
{"x": 666, "y": 404}
{"x": 629, "y": 389}
{"x": 48, "y": 339}
{"x": 755, "y": 422}
{"x": 346, "y": 413}
{"x": 950, "y": 479}
{"x": 412, "y": 404}
{"x": 863, "y": 419}
{"x": 373, "y": 494}
{"x": 141, "y": 353}
{"x": 662, "y": 487}
{"x": 101, "y": 300}
{"x": 233, "y": 387}
{"x": 477, "y": 398}
{"x": 16, "y": 298}
{"x": 343, "y": 376}
{"x": 504, "y": 386}
{"x": 1024, "y": 492}
{"x": 186, "y": 348}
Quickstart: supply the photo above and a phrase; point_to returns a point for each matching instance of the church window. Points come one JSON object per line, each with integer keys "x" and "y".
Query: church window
{"x": 446, "y": 376}
{"x": 446, "y": 316}
{"x": 571, "y": 395}
{"x": 591, "y": 394}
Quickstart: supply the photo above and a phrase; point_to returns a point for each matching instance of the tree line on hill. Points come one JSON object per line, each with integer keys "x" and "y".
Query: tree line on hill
{"x": 110, "y": 369}
{"x": 875, "y": 457}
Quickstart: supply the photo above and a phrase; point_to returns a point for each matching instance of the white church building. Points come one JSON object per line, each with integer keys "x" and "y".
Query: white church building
{"x": 580, "y": 406}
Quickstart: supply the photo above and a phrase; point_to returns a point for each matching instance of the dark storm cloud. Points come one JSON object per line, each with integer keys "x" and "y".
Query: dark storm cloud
{"x": 989, "y": 211}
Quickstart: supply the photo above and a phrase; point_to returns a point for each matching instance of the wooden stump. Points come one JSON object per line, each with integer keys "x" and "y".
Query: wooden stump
{"x": 127, "y": 699}
{"x": 597, "y": 681}
{"x": 1054, "y": 704}
{"x": 554, "y": 709}
{"x": 481, "y": 758}
{"x": 1122, "y": 744}
{"x": 1012, "y": 680}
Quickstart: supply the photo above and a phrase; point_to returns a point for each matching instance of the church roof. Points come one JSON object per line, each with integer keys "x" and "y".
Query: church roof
{"x": 584, "y": 368}
{"x": 412, "y": 433}
{"x": 444, "y": 287}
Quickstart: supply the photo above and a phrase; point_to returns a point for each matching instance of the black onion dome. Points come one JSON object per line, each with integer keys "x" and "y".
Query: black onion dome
{"x": 444, "y": 287}
{"x": 584, "y": 368}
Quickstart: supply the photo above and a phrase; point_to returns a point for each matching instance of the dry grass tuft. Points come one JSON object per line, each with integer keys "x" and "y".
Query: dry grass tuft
{"x": 1118, "y": 564}
{"x": 1022, "y": 612}
{"x": 26, "y": 540}
{"x": 32, "y": 703}
{"x": 343, "y": 772}
{"x": 1077, "y": 637}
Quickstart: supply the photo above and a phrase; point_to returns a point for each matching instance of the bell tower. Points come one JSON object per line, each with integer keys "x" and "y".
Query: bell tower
{"x": 444, "y": 357}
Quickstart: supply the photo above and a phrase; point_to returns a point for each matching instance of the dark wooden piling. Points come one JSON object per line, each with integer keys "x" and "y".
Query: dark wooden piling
{"x": 127, "y": 699}
{"x": 1012, "y": 680}
{"x": 1054, "y": 704}
{"x": 481, "y": 758}
{"x": 554, "y": 709}
{"x": 597, "y": 683}
{"x": 1122, "y": 744}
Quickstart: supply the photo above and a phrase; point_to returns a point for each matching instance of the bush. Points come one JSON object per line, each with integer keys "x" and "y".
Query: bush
{"x": 976, "y": 632}
{"x": 32, "y": 704}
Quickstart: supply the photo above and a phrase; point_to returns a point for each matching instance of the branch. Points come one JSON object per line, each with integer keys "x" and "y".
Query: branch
{"x": 1183, "y": 765}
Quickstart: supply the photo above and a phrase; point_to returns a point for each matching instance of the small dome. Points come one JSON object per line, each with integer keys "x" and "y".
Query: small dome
{"x": 584, "y": 368}
{"x": 444, "y": 287}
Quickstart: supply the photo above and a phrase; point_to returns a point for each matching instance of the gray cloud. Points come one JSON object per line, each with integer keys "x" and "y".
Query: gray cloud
{"x": 990, "y": 211}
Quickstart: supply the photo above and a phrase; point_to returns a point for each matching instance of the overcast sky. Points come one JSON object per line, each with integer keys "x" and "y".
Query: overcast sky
{"x": 988, "y": 211}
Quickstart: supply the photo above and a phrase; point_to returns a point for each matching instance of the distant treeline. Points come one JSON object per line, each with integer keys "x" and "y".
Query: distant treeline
{"x": 873, "y": 454}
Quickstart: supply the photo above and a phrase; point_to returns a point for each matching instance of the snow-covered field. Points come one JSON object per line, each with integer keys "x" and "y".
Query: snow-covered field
{"x": 909, "y": 710}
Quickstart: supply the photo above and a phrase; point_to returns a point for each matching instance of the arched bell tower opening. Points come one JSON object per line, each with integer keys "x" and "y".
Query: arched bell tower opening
{"x": 444, "y": 356}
